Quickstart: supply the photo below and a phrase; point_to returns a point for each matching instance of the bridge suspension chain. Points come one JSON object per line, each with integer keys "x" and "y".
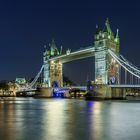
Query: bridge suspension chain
{"x": 128, "y": 67}
{"x": 124, "y": 63}
{"x": 36, "y": 78}
{"x": 136, "y": 68}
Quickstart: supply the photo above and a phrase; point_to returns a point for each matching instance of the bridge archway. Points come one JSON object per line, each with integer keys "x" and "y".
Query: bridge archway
{"x": 79, "y": 71}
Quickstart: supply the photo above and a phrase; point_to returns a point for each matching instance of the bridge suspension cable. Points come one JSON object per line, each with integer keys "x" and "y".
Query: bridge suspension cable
{"x": 136, "y": 68}
{"x": 36, "y": 78}
{"x": 129, "y": 67}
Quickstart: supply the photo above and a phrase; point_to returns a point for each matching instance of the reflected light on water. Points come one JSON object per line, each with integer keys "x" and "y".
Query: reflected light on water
{"x": 55, "y": 120}
{"x": 97, "y": 123}
{"x": 68, "y": 119}
{"x": 95, "y": 118}
{"x": 7, "y": 127}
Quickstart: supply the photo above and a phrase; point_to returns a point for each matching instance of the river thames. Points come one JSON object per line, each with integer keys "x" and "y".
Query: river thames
{"x": 68, "y": 119}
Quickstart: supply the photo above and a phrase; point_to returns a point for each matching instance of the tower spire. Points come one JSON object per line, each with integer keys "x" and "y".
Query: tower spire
{"x": 97, "y": 26}
{"x": 117, "y": 35}
{"x": 107, "y": 21}
{"x": 107, "y": 26}
{"x": 97, "y": 29}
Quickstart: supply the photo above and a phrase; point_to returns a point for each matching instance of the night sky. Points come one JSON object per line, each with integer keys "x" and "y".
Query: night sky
{"x": 27, "y": 25}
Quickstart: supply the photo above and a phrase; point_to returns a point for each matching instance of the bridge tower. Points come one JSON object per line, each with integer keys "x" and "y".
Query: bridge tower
{"x": 52, "y": 69}
{"x": 106, "y": 69}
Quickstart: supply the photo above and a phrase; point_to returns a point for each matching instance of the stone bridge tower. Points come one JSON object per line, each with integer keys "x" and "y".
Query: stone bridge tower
{"x": 52, "y": 69}
{"x": 106, "y": 69}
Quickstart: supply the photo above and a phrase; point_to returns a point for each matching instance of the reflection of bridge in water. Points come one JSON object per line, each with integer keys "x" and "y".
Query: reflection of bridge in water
{"x": 112, "y": 70}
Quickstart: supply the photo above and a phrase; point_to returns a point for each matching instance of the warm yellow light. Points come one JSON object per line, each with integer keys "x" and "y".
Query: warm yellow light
{"x": 96, "y": 81}
{"x": 60, "y": 63}
{"x": 52, "y": 61}
{"x": 114, "y": 61}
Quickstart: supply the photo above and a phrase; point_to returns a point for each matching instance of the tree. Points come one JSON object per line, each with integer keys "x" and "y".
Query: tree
{"x": 67, "y": 81}
{"x": 4, "y": 86}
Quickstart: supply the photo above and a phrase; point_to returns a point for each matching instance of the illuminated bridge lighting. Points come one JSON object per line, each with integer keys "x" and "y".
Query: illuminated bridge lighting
{"x": 59, "y": 92}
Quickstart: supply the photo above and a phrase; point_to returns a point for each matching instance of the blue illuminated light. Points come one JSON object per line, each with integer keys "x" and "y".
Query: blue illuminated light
{"x": 59, "y": 92}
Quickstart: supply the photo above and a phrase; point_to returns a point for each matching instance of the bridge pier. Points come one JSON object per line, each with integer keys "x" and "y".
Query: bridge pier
{"x": 118, "y": 93}
{"x": 105, "y": 91}
{"x": 44, "y": 92}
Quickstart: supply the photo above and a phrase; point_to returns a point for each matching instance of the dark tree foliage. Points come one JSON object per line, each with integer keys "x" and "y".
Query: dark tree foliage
{"x": 4, "y": 86}
{"x": 67, "y": 81}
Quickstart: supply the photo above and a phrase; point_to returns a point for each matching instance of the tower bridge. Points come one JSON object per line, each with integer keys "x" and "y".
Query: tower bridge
{"x": 109, "y": 63}
{"x": 105, "y": 69}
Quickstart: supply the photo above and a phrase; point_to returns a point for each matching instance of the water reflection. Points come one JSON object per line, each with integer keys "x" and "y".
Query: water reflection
{"x": 54, "y": 119}
{"x": 64, "y": 119}
{"x": 7, "y": 127}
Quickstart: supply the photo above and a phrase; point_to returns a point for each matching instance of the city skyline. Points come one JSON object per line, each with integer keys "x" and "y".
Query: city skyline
{"x": 27, "y": 26}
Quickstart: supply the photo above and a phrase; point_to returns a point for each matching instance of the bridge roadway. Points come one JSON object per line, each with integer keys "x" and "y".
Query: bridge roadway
{"x": 76, "y": 55}
{"x": 26, "y": 90}
{"x": 60, "y": 88}
{"x": 85, "y": 88}
{"x": 125, "y": 86}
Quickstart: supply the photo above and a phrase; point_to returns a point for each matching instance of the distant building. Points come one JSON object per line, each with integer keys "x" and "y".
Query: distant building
{"x": 20, "y": 81}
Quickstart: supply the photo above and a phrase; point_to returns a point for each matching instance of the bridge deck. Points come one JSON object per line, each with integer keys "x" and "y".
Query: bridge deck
{"x": 79, "y": 54}
{"x": 125, "y": 86}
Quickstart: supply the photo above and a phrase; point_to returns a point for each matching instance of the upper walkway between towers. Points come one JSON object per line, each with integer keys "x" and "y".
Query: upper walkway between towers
{"x": 75, "y": 55}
